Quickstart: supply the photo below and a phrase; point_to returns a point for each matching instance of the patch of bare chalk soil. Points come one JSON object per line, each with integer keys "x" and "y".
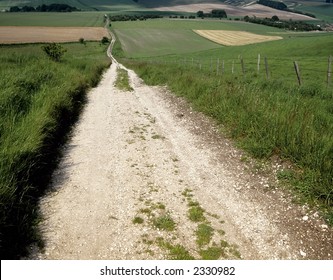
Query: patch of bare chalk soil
{"x": 146, "y": 177}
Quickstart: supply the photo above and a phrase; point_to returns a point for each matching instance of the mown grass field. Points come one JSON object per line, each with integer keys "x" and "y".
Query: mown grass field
{"x": 266, "y": 117}
{"x": 39, "y": 100}
{"x": 166, "y": 37}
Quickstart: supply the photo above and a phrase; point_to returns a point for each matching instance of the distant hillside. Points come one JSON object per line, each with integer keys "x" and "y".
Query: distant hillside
{"x": 168, "y": 3}
{"x": 320, "y": 8}
{"x": 84, "y": 5}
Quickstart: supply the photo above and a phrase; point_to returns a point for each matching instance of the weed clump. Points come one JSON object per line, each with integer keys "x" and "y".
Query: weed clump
{"x": 164, "y": 222}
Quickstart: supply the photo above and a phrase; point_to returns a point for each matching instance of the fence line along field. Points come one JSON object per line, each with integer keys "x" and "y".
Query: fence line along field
{"x": 235, "y": 38}
{"x": 33, "y": 34}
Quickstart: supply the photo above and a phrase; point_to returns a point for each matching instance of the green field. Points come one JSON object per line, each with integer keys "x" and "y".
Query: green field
{"x": 175, "y": 38}
{"x": 160, "y": 37}
{"x": 39, "y": 100}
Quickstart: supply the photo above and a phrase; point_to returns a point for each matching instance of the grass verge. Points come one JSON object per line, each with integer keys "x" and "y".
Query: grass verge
{"x": 122, "y": 81}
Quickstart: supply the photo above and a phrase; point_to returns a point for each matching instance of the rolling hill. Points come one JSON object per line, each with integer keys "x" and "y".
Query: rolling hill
{"x": 236, "y": 8}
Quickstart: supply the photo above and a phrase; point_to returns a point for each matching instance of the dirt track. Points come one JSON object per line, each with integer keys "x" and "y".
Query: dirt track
{"x": 147, "y": 154}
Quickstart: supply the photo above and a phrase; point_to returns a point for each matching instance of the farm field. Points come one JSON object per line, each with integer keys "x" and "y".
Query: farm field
{"x": 17, "y": 35}
{"x": 235, "y": 38}
{"x": 86, "y": 19}
{"x": 167, "y": 37}
{"x": 236, "y": 11}
{"x": 189, "y": 46}
{"x": 319, "y": 8}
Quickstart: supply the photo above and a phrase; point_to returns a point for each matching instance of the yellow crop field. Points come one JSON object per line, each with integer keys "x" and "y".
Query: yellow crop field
{"x": 36, "y": 34}
{"x": 235, "y": 38}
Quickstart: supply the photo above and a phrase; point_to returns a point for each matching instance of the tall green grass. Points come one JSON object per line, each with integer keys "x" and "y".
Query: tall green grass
{"x": 39, "y": 100}
{"x": 266, "y": 118}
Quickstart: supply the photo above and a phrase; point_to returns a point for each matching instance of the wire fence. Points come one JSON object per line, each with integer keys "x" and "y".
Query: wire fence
{"x": 300, "y": 71}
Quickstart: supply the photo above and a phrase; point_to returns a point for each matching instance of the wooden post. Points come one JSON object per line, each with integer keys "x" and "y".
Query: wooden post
{"x": 211, "y": 65}
{"x": 233, "y": 67}
{"x": 222, "y": 71}
{"x": 329, "y": 71}
{"x": 243, "y": 67}
{"x": 266, "y": 68}
{"x": 298, "y": 73}
{"x": 217, "y": 66}
{"x": 258, "y": 65}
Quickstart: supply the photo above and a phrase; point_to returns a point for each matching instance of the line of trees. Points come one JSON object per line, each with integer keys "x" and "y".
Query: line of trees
{"x": 273, "y": 4}
{"x": 44, "y": 8}
{"x": 289, "y": 25}
{"x": 216, "y": 13}
{"x": 133, "y": 17}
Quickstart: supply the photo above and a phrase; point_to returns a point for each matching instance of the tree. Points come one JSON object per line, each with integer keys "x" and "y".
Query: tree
{"x": 28, "y": 9}
{"x": 246, "y": 18}
{"x": 200, "y": 14}
{"x": 275, "y": 18}
{"x": 82, "y": 41}
{"x": 105, "y": 40}
{"x": 14, "y": 9}
{"x": 54, "y": 51}
{"x": 219, "y": 13}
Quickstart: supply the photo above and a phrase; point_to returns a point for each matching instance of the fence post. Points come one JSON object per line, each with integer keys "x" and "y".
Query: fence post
{"x": 258, "y": 65}
{"x": 243, "y": 67}
{"x": 217, "y": 66}
{"x": 298, "y": 73}
{"x": 222, "y": 71}
{"x": 266, "y": 68}
{"x": 233, "y": 67}
{"x": 329, "y": 71}
{"x": 211, "y": 65}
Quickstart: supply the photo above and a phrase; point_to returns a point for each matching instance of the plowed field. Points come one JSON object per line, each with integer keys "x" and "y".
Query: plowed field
{"x": 33, "y": 34}
{"x": 234, "y": 38}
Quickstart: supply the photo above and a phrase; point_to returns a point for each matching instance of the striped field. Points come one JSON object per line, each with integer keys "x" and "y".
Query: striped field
{"x": 235, "y": 38}
{"x": 33, "y": 34}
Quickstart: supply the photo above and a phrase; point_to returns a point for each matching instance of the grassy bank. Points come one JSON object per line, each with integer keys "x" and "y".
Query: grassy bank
{"x": 39, "y": 100}
{"x": 266, "y": 118}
